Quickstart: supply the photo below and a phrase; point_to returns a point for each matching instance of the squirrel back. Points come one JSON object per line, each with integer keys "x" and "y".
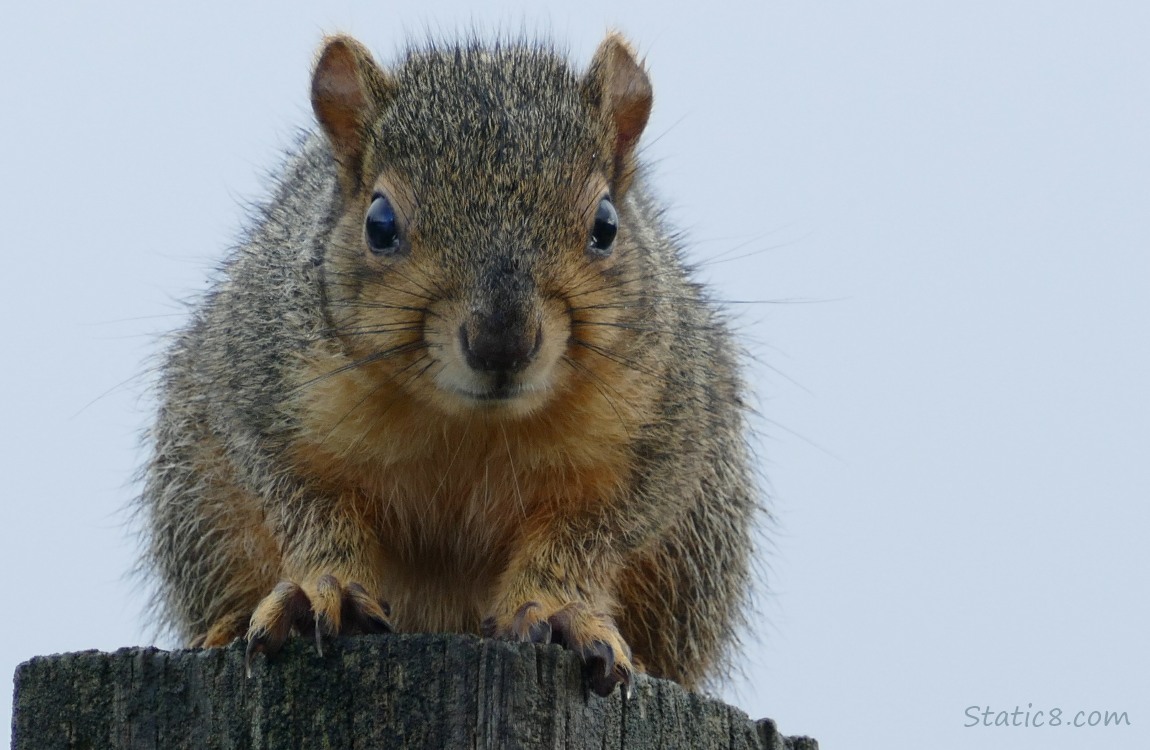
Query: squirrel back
{"x": 459, "y": 366}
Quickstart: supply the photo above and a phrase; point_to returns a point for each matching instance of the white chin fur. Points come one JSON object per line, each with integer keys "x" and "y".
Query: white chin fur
{"x": 520, "y": 396}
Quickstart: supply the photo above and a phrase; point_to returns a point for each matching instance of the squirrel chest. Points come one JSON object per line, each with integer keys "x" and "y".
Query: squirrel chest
{"x": 453, "y": 494}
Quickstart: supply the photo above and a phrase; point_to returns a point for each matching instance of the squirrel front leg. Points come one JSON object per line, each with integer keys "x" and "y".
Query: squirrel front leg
{"x": 560, "y": 588}
{"x": 329, "y": 584}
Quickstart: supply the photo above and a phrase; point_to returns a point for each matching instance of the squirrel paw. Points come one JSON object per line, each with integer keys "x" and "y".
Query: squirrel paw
{"x": 592, "y": 635}
{"x": 333, "y": 609}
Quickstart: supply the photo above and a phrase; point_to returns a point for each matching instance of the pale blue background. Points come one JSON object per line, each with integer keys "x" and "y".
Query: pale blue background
{"x": 954, "y": 197}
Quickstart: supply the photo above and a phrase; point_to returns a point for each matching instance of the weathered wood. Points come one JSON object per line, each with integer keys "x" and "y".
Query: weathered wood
{"x": 399, "y": 691}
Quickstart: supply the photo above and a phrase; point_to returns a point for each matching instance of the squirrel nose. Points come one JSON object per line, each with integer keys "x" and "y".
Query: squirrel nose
{"x": 491, "y": 349}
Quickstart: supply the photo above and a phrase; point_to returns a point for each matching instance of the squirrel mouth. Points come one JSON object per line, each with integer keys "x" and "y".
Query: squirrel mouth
{"x": 501, "y": 394}
{"x": 498, "y": 388}
{"x": 504, "y": 391}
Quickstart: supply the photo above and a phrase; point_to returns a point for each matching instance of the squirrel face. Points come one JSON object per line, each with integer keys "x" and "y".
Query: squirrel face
{"x": 480, "y": 253}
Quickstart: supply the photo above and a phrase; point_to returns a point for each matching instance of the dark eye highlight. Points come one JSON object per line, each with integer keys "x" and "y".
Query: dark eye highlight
{"x": 380, "y": 228}
{"x": 604, "y": 230}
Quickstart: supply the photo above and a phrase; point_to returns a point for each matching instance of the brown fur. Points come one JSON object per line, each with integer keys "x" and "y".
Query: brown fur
{"x": 332, "y": 436}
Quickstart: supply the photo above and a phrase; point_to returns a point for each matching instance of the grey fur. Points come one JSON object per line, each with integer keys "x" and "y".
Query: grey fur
{"x": 485, "y": 136}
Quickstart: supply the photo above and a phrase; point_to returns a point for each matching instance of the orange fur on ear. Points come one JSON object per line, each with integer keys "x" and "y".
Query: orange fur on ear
{"x": 618, "y": 85}
{"x": 347, "y": 90}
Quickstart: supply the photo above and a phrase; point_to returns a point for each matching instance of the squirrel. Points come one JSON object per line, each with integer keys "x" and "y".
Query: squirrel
{"x": 458, "y": 377}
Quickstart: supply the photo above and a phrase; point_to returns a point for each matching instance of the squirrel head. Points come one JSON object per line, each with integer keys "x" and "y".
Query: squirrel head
{"x": 483, "y": 257}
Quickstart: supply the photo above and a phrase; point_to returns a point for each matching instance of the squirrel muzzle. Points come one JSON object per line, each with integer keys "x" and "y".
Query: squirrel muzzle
{"x": 501, "y": 350}
{"x": 502, "y": 336}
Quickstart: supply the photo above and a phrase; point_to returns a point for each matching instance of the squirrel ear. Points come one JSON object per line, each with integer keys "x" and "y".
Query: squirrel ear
{"x": 347, "y": 90}
{"x": 619, "y": 87}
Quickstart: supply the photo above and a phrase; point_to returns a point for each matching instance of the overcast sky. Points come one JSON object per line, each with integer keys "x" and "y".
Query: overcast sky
{"x": 949, "y": 201}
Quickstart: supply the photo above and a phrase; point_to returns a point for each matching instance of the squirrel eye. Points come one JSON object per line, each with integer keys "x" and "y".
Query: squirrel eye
{"x": 606, "y": 226}
{"x": 381, "y": 228}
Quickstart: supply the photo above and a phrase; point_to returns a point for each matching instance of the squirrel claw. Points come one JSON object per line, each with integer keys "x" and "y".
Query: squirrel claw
{"x": 603, "y": 673}
{"x": 333, "y": 610}
{"x": 287, "y": 606}
{"x": 529, "y": 625}
{"x": 593, "y": 636}
{"x": 606, "y": 656}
